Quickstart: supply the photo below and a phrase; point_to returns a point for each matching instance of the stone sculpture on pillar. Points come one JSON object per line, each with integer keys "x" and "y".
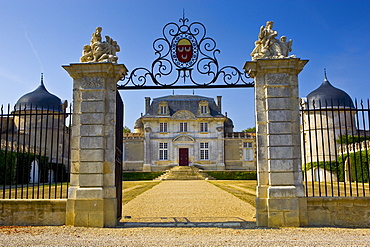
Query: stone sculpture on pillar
{"x": 92, "y": 195}
{"x": 268, "y": 47}
{"x": 280, "y": 193}
{"x": 100, "y": 51}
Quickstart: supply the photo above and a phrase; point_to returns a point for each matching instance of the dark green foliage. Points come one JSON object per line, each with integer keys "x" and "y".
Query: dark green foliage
{"x": 348, "y": 139}
{"x": 126, "y": 129}
{"x": 233, "y": 175}
{"x": 359, "y": 165}
{"x": 337, "y": 168}
{"x": 60, "y": 172}
{"x": 15, "y": 168}
{"x": 7, "y": 167}
{"x": 138, "y": 176}
{"x": 23, "y": 166}
{"x": 252, "y": 129}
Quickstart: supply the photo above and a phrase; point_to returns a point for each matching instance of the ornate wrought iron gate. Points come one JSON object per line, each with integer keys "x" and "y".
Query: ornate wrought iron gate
{"x": 185, "y": 56}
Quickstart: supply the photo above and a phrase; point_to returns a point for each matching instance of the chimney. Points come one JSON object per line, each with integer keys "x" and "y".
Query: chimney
{"x": 219, "y": 102}
{"x": 147, "y": 104}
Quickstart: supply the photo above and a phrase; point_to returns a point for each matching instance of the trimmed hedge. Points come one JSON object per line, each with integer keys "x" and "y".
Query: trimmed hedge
{"x": 359, "y": 165}
{"x": 232, "y": 175}
{"x": 335, "y": 167}
{"x": 15, "y": 168}
{"x": 348, "y": 139}
{"x": 138, "y": 176}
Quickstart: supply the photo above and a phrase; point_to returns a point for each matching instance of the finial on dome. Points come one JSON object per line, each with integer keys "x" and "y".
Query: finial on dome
{"x": 325, "y": 78}
{"x": 42, "y": 79}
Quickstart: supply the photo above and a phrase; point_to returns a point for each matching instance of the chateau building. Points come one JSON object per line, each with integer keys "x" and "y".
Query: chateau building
{"x": 187, "y": 130}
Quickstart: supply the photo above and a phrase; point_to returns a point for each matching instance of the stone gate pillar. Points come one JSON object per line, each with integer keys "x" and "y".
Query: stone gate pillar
{"x": 92, "y": 193}
{"x": 278, "y": 142}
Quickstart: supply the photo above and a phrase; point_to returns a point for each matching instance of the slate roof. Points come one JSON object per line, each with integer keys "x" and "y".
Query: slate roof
{"x": 40, "y": 98}
{"x": 329, "y": 96}
{"x": 183, "y": 102}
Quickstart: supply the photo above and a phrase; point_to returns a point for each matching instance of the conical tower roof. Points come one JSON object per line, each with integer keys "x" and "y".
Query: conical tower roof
{"x": 39, "y": 99}
{"x": 327, "y": 95}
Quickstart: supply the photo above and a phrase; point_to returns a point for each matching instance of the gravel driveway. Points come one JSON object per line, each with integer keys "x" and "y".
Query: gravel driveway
{"x": 144, "y": 236}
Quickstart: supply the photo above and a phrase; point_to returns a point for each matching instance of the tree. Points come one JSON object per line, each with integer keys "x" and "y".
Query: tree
{"x": 252, "y": 129}
{"x": 126, "y": 129}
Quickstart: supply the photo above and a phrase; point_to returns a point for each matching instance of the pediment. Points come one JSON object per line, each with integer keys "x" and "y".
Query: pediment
{"x": 183, "y": 115}
{"x": 183, "y": 138}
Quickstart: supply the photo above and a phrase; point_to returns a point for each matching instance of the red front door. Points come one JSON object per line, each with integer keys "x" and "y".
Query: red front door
{"x": 183, "y": 156}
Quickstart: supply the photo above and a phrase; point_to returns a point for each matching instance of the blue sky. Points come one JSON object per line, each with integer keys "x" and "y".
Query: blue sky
{"x": 40, "y": 36}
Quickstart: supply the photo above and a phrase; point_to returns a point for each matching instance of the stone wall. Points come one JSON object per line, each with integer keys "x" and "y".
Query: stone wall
{"x": 133, "y": 155}
{"x": 234, "y": 159}
{"x": 33, "y": 212}
{"x": 339, "y": 211}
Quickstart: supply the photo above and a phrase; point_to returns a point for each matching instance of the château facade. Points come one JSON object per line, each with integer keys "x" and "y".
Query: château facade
{"x": 187, "y": 130}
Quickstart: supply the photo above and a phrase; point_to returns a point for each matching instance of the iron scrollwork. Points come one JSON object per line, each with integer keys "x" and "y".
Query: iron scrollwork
{"x": 185, "y": 48}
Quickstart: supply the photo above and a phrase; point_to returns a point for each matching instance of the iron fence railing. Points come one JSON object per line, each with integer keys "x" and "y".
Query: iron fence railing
{"x": 34, "y": 153}
{"x": 335, "y": 148}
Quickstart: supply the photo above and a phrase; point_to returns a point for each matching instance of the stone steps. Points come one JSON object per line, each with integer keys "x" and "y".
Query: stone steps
{"x": 184, "y": 173}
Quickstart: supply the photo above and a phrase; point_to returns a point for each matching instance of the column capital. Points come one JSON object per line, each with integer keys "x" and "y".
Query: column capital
{"x": 265, "y": 66}
{"x": 83, "y": 70}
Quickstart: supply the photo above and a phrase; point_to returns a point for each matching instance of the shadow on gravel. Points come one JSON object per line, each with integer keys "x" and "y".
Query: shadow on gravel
{"x": 219, "y": 222}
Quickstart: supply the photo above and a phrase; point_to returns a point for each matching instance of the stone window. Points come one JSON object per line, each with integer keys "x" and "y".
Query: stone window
{"x": 203, "y": 108}
{"x": 163, "y": 151}
{"x": 183, "y": 127}
{"x": 204, "y": 151}
{"x": 203, "y": 127}
{"x": 248, "y": 152}
{"x": 163, "y": 108}
{"x": 163, "y": 127}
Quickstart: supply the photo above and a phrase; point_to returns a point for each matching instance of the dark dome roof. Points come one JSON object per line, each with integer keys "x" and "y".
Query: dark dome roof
{"x": 138, "y": 124}
{"x": 328, "y": 95}
{"x": 229, "y": 123}
{"x": 40, "y": 98}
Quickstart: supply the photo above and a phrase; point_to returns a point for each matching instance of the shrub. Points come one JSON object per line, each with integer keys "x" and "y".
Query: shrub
{"x": 359, "y": 162}
{"x": 348, "y": 139}
{"x": 335, "y": 167}
{"x": 232, "y": 175}
{"x": 137, "y": 176}
{"x": 15, "y": 168}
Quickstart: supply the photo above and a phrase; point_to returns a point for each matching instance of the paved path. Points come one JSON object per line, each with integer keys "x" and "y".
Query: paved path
{"x": 187, "y": 203}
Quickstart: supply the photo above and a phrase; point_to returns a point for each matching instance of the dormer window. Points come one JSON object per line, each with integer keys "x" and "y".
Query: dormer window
{"x": 163, "y": 108}
{"x": 203, "y": 108}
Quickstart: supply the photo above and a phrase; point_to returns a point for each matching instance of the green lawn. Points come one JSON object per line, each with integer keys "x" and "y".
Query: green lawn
{"x": 243, "y": 189}
{"x": 131, "y": 189}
